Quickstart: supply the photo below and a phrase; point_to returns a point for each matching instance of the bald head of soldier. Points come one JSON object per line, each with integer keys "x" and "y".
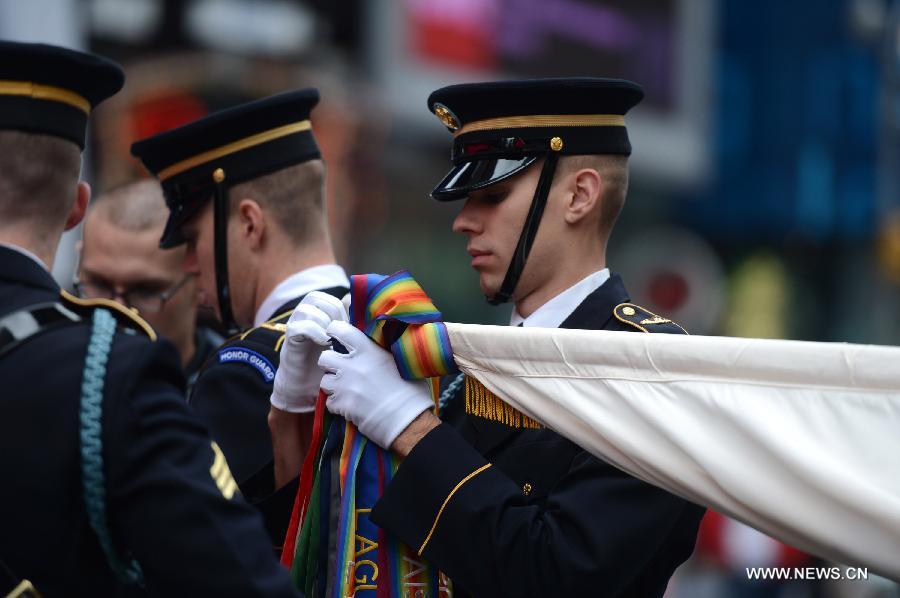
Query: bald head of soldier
{"x": 121, "y": 260}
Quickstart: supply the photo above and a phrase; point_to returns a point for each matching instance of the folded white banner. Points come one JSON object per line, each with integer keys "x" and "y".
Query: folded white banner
{"x": 799, "y": 440}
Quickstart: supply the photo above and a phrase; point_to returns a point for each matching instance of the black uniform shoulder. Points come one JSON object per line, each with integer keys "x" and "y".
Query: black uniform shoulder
{"x": 639, "y": 318}
{"x": 257, "y": 347}
{"x": 127, "y": 320}
{"x": 268, "y": 334}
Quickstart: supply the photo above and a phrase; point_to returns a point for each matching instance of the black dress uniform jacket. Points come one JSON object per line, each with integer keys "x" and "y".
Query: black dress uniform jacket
{"x": 525, "y": 512}
{"x": 163, "y": 504}
{"x": 231, "y": 396}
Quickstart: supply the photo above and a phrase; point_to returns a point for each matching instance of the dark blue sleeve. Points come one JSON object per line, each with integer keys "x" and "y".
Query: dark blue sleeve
{"x": 231, "y": 397}
{"x": 172, "y": 500}
{"x": 599, "y": 532}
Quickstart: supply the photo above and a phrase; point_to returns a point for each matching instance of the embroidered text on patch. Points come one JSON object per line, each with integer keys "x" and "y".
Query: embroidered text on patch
{"x": 262, "y": 365}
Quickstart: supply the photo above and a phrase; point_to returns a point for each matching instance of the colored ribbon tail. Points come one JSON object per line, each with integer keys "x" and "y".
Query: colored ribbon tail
{"x": 307, "y": 473}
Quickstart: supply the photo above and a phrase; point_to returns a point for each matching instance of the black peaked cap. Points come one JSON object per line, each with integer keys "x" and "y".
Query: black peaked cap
{"x": 502, "y": 127}
{"x": 51, "y": 90}
{"x": 227, "y": 148}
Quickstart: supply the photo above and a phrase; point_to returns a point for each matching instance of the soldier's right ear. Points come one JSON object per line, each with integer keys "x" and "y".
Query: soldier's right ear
{"x": 79, "y": 206}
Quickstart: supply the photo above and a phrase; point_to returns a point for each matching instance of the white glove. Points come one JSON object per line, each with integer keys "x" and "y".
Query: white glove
{"x": 365, "y": 387}
{"x": 297, "y": 380}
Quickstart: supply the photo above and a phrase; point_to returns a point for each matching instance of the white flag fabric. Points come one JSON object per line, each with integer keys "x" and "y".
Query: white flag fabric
{"x": 800, "y": 440}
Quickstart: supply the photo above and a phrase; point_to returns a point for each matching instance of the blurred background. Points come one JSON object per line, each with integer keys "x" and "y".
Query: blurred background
{"x": 764, "y": 197}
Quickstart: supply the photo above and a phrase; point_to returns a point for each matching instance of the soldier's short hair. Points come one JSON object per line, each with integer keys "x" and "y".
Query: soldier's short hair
{"x": 293, "y": 196}
{"x": 613, "y": 171}
{"x": 38, "y": 175}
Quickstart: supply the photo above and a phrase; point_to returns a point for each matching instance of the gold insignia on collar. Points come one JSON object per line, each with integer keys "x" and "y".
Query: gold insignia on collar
{"x": 446, "y": 116}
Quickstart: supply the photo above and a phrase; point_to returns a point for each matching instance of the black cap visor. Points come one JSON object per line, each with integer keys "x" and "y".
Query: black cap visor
{"x": 478, "y": 174}
{"x": 179, "y": 214}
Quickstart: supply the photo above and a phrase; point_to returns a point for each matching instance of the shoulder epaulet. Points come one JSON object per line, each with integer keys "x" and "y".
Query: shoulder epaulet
{"x": 125, "y": 317}
{"x": 645, "y": 320}
{"x": 257, "y": 347}
{"x": 271, "y": 331}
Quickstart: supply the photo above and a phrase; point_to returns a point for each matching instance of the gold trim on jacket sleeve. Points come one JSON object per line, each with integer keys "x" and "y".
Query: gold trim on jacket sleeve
{"x": 446, "y": 500}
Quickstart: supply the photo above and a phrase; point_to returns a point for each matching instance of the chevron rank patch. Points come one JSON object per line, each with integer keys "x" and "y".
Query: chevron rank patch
{"x": 221, "y": 475}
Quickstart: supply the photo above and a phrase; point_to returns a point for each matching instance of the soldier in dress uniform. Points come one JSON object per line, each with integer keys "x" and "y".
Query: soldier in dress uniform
{"x": 502, "y": 505}
{"x": 245, "y": 190}
{"x": 108, "y": 479}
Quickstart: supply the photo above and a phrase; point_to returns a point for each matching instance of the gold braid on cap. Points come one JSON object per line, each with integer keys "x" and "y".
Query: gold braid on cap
{"x": 45, "y": 92}
{"x": 233, "y": 147}
{"x": 543, "y": 120}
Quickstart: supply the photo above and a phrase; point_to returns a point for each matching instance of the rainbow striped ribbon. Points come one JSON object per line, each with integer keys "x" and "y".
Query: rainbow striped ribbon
{"x": 396, "y": 313}
{"x": 338, "y": 551}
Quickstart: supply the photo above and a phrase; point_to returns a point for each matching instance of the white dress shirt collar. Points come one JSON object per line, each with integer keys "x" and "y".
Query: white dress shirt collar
{"x": 301, "y": 283}
{"x": 554, "y": 312}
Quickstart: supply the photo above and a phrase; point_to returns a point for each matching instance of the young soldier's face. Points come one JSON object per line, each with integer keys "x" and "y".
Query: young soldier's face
{"x": 199, "y": 257}
{"x": 492, "y": 219}
{"x": 200, "y": 260}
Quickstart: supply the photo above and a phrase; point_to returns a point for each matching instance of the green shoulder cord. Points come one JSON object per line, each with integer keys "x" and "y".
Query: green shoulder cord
{"x": 90, "y": 414}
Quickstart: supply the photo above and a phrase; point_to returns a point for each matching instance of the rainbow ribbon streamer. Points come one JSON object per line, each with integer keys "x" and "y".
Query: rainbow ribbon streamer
{"x": 332, "y": 548}
{"x": 397, "y": 314}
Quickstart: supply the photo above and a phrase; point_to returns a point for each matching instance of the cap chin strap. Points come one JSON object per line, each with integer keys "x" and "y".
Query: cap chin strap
{"x": 529, "y": 232}
{"x": 223, "y": 289}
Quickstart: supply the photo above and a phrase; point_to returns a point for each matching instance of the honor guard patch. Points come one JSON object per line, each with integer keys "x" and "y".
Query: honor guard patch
{"x": 243, "y": 355}
{"x": 645, "y": 320}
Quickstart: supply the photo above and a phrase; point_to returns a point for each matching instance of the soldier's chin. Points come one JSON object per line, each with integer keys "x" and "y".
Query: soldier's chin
{"x": 489, "y": 286}
{"x": 205, "y": 302}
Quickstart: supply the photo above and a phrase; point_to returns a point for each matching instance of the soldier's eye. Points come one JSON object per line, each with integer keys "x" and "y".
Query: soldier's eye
{"x": 147, "y": 290}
